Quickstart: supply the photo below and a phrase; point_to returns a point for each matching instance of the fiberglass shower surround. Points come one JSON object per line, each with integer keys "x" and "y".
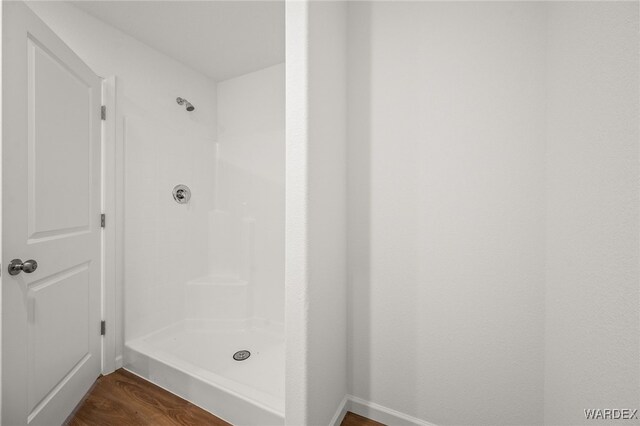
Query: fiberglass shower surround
{"x": 225, "y": 348}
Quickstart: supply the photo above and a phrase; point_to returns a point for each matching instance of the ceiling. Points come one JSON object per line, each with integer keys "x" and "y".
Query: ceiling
{"x": 221, "y": 39}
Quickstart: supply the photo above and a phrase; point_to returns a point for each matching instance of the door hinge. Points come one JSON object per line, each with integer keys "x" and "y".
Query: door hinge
{"x": 103, "y": 220}
{"x": 103, "y": 328}
{"x": 103, "y": 112}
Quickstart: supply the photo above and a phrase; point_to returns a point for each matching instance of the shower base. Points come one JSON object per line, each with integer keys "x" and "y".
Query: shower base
{"x": 194, "y": 360}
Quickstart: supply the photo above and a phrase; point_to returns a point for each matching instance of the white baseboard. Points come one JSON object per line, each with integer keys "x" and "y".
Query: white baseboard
{"x": 342, "y": 410}
{"x": 375, "y": 412}
{"x": 119, "y": 362}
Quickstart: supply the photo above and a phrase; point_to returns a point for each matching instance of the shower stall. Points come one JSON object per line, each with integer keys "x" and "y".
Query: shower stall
{"x": 204, "y": 312}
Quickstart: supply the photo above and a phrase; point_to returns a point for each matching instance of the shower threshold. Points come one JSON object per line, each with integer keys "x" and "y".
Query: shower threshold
{"x": 194, "y": 359}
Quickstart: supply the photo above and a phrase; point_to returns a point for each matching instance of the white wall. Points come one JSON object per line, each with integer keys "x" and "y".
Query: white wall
{"x": 164, "y": 146}
{"x": 493, "y": 209}
{"x": 592, "y": 328}
{"x": 315, "y": 272}
{"x": 296, "y": 234}
{"x": 249, "y": 202}
{"x": 446, "y": 207}
{"x": 1, "y": 280}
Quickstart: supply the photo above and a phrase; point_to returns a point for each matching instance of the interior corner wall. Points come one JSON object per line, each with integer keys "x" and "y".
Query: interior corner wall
{"x": 493, "y": 209}
{"x": 327, "y": 292}
{"x": 592, "y": 334}
{"x": 316, "y": 211}
{"x": 446, "y": 209}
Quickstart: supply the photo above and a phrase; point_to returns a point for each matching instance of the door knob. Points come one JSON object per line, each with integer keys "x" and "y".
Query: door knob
{"x": 28, "y": 266}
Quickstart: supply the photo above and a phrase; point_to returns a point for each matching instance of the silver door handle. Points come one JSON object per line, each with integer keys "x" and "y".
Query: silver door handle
{"x": 17, "y": 265}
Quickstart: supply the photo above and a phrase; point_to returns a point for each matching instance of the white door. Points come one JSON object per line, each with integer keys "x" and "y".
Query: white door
{"x": 50, "y": 213}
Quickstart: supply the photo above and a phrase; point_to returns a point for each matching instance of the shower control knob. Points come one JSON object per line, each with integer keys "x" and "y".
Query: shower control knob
{"x": 182, "y": 194}
{"x": 17, "y": 265}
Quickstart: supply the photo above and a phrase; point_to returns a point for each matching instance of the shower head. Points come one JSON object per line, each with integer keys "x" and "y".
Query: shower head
{"x": 183, "y": 101}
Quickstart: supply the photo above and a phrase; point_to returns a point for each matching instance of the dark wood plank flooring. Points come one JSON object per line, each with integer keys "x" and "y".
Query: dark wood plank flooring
{"x": 352, "y": 419}
{"x": 122, "y": 398}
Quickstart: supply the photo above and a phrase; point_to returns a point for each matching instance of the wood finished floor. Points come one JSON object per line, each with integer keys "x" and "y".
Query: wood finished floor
{"x": 122, "y": 398}
{"x": 352, "y": 419}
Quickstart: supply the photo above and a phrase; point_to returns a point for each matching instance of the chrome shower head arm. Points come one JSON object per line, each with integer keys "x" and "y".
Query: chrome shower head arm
{"x": 183, "y": 101}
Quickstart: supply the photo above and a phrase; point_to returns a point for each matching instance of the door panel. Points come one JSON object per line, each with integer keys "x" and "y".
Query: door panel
{"x": 50, "y": 213}
{"x": 59, "y": 203}
{"x": 58, "y": 340}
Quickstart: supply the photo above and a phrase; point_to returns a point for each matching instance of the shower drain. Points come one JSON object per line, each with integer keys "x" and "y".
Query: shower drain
{"x": 241, "y": 355}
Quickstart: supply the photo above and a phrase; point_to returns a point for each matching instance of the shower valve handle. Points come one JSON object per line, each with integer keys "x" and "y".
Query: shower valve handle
{"x": 182, "y": 194}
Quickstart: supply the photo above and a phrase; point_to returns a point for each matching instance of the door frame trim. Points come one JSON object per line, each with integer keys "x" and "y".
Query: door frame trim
{"x": 112, "y": 233}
